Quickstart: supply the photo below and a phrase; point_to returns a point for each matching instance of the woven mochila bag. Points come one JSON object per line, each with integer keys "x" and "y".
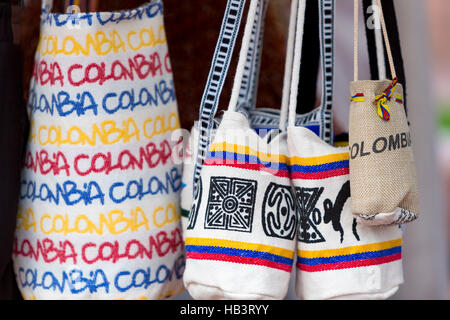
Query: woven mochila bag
{"x": 262, "y": 120}
{"x": 337, "y": 257}
{"x": 382, "y": 170}
{"x": 247, "y": 93}
{"x": 241, "y": 237}
{"x": 99, "y": 199}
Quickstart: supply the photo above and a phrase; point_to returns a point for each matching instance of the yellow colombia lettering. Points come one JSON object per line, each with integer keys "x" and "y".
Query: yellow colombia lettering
{"x": 25, "y": 220}
{"x": 108, "y": 132}
{"x": 114, "y": 222}
{"x": 101, "y": 43}
{"x": 163, "y": 216}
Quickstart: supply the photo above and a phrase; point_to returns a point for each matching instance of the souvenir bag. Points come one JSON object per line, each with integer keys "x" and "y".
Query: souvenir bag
{"x": 262, "y": 120}
{"x": 247, "y": 93}
{"x": 99, "y": 197}
{"x": 241, "y": 245}
{"x": 337, "y": 257}
{"x": 382, "y": 170}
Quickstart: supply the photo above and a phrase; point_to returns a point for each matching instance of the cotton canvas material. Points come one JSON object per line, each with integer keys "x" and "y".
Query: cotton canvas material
{"x": 262, "y": 120}
{"x": 382, "y": 170}
{"x": 243, "y": 240}
{"x": 337, "y": 257}
{"x": 104, "y": 222}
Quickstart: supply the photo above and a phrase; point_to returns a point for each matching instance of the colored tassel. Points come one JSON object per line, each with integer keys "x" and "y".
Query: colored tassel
{"x": 381, "y": 101}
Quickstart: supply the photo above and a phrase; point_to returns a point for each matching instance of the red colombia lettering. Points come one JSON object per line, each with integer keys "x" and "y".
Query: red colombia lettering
{"x": 50, "y": 251}
{"x": 45, "y": 164}
{"x": 104, "y": 162}
{"x": 137, "y": 67}
{"x": 163, "y": 243}
{"x": 149, "y": 156}
{"x": 47, "y": 250}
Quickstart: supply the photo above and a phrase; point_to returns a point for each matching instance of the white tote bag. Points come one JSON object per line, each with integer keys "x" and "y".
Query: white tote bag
{"x": 99, "y": 200}
{"x": 247, "y": 92}
{"x": 240, "y": 240}
{"x": 262, "y": 120}
{"x": 337, "y": 257}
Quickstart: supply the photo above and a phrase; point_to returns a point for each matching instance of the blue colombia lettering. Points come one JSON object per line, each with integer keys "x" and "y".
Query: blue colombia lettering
{"x": 163, "y": 94}
{"x": 127, "y": 280}
{"x": 61, "y": 19}
{"x": 74, "y": 281}
{"x": 121, "y": 191}
{"x": 70, "y": 193}
{"x": 63, "y": 103}
{"x": 72, "y": 19}
{"x": 149, "y": 11}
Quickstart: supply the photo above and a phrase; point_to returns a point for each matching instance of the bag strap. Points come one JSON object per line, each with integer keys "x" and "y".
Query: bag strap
{"x": 233, "y": 104}
{"x": 375, "y": 44}
{"x": 288, "y": 69}
{"x": 288, "y": 63}
{"x": 326, "y": 32}
{"x": 309, "y": 67}
{"x": 240, "y": 70}
{"x": 326, "y": 28}
{"x": 216, "y": 78}
{"x": 378, "y": 61}
{"x": 46, "y": 6}
{"x": 249, "y": 85}
{"x": 355, "y": 40}
{"x": 326, "y": 35}
{"x": 297, "y": 58}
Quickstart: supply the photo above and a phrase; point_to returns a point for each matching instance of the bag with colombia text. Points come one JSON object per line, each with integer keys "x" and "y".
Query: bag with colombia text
{"x": 337, "y": 257}
{"x": 382, "y": 171}
{"x": 240, "y": 239}
{"x": 99, "y": 197}
{"x": 262, "y": 120}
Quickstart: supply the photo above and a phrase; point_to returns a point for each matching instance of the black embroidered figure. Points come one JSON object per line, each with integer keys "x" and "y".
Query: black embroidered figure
{"x": 309, "y": 215}
{"x": 355, "y": 232}
{"x": 333, "y": 212}
{"x": 195, "y": 205}
{"x": 231, "y": 203}
{"x": 278, "y": 214}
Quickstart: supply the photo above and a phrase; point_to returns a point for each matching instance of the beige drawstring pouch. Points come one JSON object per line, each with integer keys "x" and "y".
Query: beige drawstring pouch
{"x": 382, "y": 172}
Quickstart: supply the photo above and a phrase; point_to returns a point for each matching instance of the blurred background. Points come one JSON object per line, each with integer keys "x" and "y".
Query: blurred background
{"x": 192, "y": 27}
{"x": 438, "y": 24}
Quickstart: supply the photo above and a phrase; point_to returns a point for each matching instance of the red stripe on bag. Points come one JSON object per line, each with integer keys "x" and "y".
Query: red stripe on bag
{"x": 249, "y": 166}
{"x": 320, "y": 175}
{"x": 349, "y": 264}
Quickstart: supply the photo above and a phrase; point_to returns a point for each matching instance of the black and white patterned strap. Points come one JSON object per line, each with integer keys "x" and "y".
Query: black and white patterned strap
{"x": 218, "y": 71}
{"x": 326, "y": 12}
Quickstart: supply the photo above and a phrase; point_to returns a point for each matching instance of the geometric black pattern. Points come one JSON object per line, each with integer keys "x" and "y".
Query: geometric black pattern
{"x": 309, "y": 214}
{"x": 195, "y": 205}
{"x": 279, "y": 218}
{"x": 231, "y": 203}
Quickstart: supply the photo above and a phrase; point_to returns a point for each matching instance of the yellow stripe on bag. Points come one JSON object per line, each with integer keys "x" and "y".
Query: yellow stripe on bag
{"x": 349, "y": 250}
{"x": 240, "y": 245}
{"x": 313, "y": 161}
